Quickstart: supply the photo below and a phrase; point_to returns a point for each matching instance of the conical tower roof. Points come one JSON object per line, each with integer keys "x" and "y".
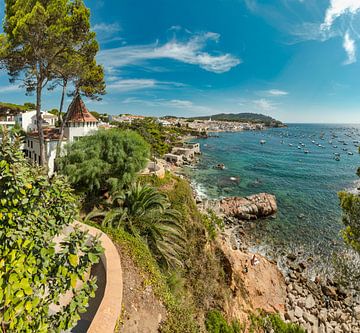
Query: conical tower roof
{"x": 78, "y": 113}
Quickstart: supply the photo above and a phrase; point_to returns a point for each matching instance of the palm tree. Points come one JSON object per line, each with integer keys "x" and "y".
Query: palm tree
{"x": 143, "y": 211}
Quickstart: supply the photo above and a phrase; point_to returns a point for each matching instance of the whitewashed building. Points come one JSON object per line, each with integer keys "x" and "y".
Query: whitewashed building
{"x": 28, "y": 122}
{"x": 80, "y": 122}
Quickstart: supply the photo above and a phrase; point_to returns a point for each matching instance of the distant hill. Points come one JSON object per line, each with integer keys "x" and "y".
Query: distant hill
{"x": 244, "y": 117}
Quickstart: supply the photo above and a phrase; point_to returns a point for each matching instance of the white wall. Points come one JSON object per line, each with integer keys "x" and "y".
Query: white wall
{"x": 32, "y": 146}
{"x": 80, "y": 129}
{"x": 27, "y": 120}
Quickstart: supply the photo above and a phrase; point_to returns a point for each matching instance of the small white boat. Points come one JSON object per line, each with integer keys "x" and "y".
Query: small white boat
{"x": 290, "y": 144}
{"x": 337, "y": 158}
{"x": 306, "y": 152}
{"x": 299, "y": 147}
{"x": 335, "y": 146}
{"x": 262, "y": 142}
{"x": 350, "y": 153}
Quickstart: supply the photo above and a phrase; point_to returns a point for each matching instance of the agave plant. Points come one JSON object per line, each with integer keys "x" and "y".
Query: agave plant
{"x": 145, "y": 212}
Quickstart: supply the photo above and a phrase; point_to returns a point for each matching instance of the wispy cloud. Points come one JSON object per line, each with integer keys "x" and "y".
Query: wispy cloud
{"x": 106, "y": 27}
{"x": 265, "y": 104}
{"x": 338, "y": 8}
{"x": 335, "y": 21}
{"x": 108, "y": 32}
{"x": 190, "y": 51}
{"x": 350, "y": 49}
{"x": 140, "y": 84}
{"x": 276, "y": 92}
{"x": 9, "y": 89}
{"x": 178, "y": 104}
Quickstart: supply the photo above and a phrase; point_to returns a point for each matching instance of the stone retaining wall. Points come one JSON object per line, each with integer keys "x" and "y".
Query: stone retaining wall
{"x": 109, "y": 311}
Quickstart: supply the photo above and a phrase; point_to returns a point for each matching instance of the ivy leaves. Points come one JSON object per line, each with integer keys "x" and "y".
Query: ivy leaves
{"x": 39, "y": 263}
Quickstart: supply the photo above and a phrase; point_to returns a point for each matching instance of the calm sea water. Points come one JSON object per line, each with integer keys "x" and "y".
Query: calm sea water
{"x": 305, "y": 185}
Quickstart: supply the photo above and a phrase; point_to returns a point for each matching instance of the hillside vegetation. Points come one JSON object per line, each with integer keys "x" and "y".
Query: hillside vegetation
{"x": 244, "y": 117}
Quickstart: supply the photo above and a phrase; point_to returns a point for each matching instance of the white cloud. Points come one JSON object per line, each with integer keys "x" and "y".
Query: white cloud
{"x": 139, "y": 84}
{"x": 265, "y": 104}
{"x": 350, "y": 49}
{"x": 189, "y": 52}
{"x": 277, "y": 92}
{"x": 178, "y": 104}
{"x": 338, "y": 8}
{"x": 10, "y": 89}
{"x": 107, "y": 28}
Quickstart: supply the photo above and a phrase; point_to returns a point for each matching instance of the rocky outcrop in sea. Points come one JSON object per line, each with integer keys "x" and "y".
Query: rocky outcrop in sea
{"x": 249, "y": 208}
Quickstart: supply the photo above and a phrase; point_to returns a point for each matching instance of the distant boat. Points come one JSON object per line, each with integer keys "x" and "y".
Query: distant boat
{"x": 299, "y": 147}
{"x": 262, "y": 142}
{"x": 335, "y": 146}
{"x": 290, "y": 144}
{"x": 337, "y": 158}
{"x": 312, "y": 141}
{"x": 345, "y": 149}
{"x": 219, "y": 166}
{"x": 350, "y": 153}
{"x": 306, "y": 152}
{"x": 336, "y": 154}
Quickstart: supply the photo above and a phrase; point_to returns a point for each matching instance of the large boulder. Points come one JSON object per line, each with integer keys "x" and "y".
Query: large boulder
{"x": 249, "y": 208}
{"x": 254, "y": 286}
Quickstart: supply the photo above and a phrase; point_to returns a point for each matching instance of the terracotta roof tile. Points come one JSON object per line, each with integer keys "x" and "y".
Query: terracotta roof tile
{"x": 50, "y": 134}
{"x": 78, "y": 113}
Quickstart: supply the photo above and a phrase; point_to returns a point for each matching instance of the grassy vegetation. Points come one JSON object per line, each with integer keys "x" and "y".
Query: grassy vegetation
{"x": 216, "y": 323}
{"x": 191, "y": 294}
{"x": 272, "y": 322}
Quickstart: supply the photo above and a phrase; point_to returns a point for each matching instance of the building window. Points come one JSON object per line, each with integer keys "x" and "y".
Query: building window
{"x": 39, "y": 160}
{"x": 29, "y": 154}
{"x": 31, "y": 143}
{"x": 35, "y": 157}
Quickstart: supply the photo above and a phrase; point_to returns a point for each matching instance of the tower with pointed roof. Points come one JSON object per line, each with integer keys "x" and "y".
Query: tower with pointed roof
{"x": 80, "y": 122}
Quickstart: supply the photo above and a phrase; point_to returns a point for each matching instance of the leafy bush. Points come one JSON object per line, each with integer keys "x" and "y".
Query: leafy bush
{"x": 105, "y": 161}
{"x": 144, "y": 211}
{"x": 273, "y": 322}
{"x": 36, "y": 271}
{"x": 216, "y": 323}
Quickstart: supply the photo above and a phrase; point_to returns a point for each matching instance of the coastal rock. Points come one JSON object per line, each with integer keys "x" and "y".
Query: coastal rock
{"x": 258, "y": 285}
{"x": 249, "y": 208}
{"x": 309, "y": 302}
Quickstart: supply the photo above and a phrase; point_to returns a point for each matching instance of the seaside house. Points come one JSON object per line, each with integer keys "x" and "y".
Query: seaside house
{"x": 7, "y": 120}
{"x": 80, "y": 123}
{"x": 174, "y": 159}
{"x": 28, "y": 122}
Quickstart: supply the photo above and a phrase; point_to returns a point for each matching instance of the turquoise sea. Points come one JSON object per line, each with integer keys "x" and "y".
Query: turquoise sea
{"x": 305, "y": 184}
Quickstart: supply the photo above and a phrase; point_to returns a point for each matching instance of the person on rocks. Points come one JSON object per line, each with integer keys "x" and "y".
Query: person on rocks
{"x": 254, "y": 261}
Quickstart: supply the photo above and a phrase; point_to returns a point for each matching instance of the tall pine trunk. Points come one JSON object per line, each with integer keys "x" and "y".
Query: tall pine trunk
{"x": 43, "y": 159}
{"x": 63, "y": 122}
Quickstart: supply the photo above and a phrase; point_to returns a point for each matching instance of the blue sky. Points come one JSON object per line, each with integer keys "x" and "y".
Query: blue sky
{"x": 295, "y": 60}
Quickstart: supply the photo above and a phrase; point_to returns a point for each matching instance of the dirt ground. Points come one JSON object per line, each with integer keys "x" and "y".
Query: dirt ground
{"x": 142, "y": 311}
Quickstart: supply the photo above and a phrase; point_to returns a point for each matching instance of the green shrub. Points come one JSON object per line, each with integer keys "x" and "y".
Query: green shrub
{"x": 273, "y": 322}
{"x": 216, "y": 323}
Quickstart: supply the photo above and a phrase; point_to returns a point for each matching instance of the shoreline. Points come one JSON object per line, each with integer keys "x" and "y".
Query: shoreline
{"x": 316, "y": 303}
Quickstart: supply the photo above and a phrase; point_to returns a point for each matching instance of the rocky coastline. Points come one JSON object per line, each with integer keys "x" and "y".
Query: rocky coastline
{"x": 319, "y": 305}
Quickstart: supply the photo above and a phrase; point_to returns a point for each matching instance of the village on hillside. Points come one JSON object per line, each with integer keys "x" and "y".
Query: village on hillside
{"x": 81, "y": 122}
